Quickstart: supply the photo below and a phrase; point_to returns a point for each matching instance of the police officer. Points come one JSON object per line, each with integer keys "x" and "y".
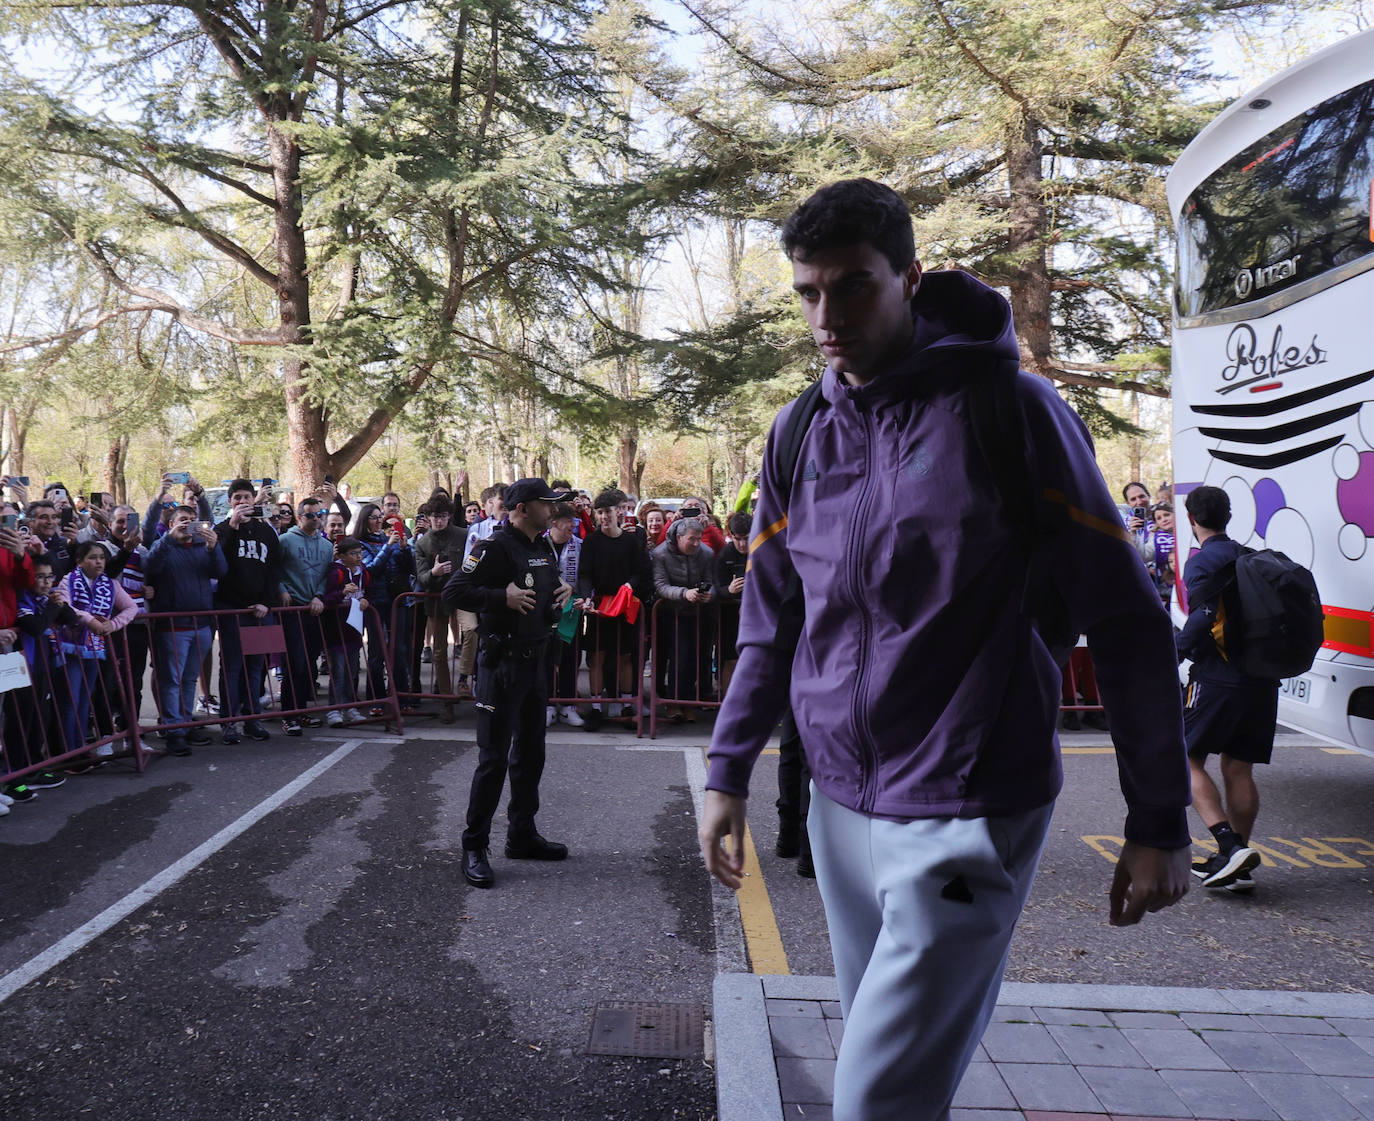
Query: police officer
{"x": 511, "y": 581}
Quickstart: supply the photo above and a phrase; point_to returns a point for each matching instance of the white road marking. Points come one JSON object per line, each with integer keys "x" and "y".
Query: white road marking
{"x": 59, "y": 951}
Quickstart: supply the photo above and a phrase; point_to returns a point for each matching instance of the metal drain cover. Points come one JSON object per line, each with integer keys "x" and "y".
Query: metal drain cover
{"x": 647, "y": 1029}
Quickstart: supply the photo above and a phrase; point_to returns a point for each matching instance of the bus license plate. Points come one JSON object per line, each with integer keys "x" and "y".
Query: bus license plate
{"x": 1296, "y": 689}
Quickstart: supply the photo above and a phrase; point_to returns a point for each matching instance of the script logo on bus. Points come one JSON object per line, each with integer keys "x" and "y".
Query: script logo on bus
{"x": 1250, "y": 360}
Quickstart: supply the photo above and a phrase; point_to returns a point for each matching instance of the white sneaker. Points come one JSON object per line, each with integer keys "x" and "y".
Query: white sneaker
{"x": 570, "y": 715}
{"x": 334, "y": 718}
{"x": 6, "y": 800}
{"x": 105, "y": 751}
{"x": 353, "y": 716}
{"x": 550, "y": 716}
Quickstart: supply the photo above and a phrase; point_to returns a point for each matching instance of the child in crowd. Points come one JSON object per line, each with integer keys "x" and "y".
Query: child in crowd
{"x": 347, "y": 580}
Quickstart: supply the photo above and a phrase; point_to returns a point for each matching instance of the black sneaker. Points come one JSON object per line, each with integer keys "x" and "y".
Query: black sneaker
{"x": 311, "y": 722}
{"x": 177, "y": 745}
{"x": 591, "y": 719}
{"x": 198, "y": 737}
{"x": 1241, "y": 885}
{"x": 254, "y": 730}
{"x": 1209, "y": 867}
{"x": 1233, "y": 863}
{"x": 20, "y": 793}
{"x": 291, "y": 727}
{"x": 44, "y": 780}
{"x": 84, "y": 765}
{"x": 230, "y": 735}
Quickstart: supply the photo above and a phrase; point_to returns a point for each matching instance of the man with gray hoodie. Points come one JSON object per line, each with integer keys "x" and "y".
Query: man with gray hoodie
{"x": 887, "y": 599}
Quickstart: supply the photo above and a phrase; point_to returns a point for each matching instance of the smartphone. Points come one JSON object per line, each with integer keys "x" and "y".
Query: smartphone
{"x": 66, "y": 517}
{"x": 182, "y": 477}
{"x": 329, "y": 479}
{"x": 9, "y": 521}
{"x": 131, "y": 522}
{"x": 19, "y": 480}
{"x": 257, "y": 512}
{"x": 204, "y": 527}
{"x": 630, "y": 519}
{"x": 268, "y": 483}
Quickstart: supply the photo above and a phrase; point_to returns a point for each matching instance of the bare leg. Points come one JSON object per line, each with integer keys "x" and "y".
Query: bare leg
{"x": 1242, "y": 796}
{"x": 1206, "y": 797}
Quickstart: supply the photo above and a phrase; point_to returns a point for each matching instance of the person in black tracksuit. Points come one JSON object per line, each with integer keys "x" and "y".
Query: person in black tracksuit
{"x": 514, "y": 587}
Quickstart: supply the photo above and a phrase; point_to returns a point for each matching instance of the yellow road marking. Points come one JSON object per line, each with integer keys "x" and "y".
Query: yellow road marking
{"x": 761, "y": 935}
{"x": 1341, "y": 751}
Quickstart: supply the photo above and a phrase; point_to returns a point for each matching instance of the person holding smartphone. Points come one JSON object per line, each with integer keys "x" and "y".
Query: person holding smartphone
{"x": 181, "y": 566}
{"x": 438, "y": 555}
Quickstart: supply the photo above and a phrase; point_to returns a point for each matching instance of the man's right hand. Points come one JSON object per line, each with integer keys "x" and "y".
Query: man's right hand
{"x": 10, "y": 539}
{"x": 519, "y": 599}
{"x": 316, "y": 605}
{"x": 286, "y": 599}
{"x": 722, "y": 817}
{"x": 442, "y": 568}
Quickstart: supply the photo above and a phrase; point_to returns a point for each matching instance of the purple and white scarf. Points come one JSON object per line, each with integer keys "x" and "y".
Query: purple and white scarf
{"x": 91, "y": 599}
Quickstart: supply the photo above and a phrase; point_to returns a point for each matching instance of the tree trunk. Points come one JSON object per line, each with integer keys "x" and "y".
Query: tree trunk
{"x": 1028, "y": 219}
{"x": 640, "y": 464}
{"x": 18, "y": 437}
{"x": 628, "y": 447}
{"x": 1135, "y": 441}
{"x": 112, "y": 472}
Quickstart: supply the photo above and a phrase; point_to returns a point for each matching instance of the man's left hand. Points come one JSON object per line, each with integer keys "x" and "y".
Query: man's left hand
{"x": 1147, "y": 879}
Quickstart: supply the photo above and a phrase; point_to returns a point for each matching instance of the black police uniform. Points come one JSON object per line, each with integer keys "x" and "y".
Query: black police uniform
{"x": 512, "y": 686}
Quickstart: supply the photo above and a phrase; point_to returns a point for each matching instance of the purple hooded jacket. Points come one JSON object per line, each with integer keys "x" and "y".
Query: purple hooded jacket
{"x": 919, "y": 687}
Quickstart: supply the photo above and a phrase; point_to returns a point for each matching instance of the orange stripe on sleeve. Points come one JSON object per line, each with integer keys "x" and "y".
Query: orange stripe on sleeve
{"x": 763, "y": 536}
{"x": 1092, "y": 521}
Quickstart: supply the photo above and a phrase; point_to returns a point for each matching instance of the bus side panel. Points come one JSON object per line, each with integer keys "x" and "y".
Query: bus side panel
{"x": 1278, "y": 411}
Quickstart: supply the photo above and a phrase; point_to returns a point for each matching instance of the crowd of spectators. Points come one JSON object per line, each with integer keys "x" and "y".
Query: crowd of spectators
{"x": 87, "y": 584}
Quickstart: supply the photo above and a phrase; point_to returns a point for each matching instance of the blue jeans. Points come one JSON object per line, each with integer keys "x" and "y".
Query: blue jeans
{"x": 179, "y": 655}
{"x": 81, "y": 677}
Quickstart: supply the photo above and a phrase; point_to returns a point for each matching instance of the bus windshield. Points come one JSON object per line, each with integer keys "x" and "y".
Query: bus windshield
{"x": 1292, "y": 206}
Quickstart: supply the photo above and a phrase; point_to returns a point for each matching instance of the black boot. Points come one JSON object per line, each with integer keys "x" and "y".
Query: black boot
{"x": 789, "y": 837}
{"x": 477, "y": 869}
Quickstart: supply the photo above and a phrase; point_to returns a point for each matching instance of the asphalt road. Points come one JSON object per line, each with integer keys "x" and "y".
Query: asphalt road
{"x": 1307, "y": 926}
{"x": 325, "y": 960}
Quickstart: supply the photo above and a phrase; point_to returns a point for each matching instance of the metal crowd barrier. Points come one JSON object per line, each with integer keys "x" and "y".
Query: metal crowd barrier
{"x": 293, "y": 639}
{"x": 691, "y": 655}
{"x": 612, "y": 652}
{"x": 43, "y": 725}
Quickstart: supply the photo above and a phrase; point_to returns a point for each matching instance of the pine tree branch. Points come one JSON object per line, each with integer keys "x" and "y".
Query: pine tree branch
{"x": 964, "y": 49}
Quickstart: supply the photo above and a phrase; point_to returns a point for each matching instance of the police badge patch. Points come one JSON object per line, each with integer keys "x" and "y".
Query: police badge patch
{"x": 470, "y": 562}
{"x": 529, "y": 579}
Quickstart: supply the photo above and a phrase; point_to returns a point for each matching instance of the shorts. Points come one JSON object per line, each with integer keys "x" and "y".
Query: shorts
{"x": 1237, "y": 721}
{"x": 611, "y": 636}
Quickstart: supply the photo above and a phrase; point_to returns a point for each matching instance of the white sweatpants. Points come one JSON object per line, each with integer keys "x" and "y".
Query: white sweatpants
{"x": 921, "y": 916}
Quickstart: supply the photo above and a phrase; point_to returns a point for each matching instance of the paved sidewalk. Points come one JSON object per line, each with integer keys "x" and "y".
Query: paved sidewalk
{"x": 1073, "y": 1053}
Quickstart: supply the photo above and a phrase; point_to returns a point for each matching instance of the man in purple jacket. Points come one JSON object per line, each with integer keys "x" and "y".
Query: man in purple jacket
{"x": 925, "y": 697}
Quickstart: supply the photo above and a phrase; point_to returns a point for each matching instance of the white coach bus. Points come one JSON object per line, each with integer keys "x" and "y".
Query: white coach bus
{"x": 1273, "y": 351}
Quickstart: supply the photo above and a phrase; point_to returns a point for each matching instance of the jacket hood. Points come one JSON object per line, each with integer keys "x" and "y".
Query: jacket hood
{"x": 676, "y": 530}
{"x": 953, "y": 314}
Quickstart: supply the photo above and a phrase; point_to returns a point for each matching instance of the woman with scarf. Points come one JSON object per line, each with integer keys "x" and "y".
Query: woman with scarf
{"x": 103, "y": 607}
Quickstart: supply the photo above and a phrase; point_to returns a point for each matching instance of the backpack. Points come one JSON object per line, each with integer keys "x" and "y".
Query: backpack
{"x": 1270, "y": 615}
{"x": 999, "y": 431}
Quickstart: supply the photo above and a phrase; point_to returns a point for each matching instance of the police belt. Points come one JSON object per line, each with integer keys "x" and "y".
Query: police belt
{"x": 508, "y": 646}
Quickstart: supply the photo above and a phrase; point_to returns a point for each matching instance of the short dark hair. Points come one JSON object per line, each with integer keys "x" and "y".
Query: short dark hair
{"x": 236, "y": 485}
{"x": 563, "y": 510}
{"x": 1127, "y": 490}
{"x": 311, "y": 500}
{"x": 391, "y": 494}
{"x": 560, "y": 484}
{"x": 852, "y": 212}
{"x": 44, "y": 560}
{"x": 40, "y": 504}
{"x": 185, "y": 510}
{"x": 609, "y": 497}
{"x": 440, "y": 505}
{"x": 1210, "y": 507}
{"x": 739, "y": 525}
{"x": 82, "y": 549}
{"x": 496, "y": 490}
{"x": 347, "y": 545}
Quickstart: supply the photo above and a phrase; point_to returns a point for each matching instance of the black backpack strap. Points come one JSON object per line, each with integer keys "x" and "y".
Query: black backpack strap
{"x": 790, "y": 440}
{"x": 792, "y": 614}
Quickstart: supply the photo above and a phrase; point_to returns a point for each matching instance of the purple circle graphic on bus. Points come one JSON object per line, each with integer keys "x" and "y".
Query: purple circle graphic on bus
{"x": 1355, "y": 496}
{"x": 1268, "y": 502}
